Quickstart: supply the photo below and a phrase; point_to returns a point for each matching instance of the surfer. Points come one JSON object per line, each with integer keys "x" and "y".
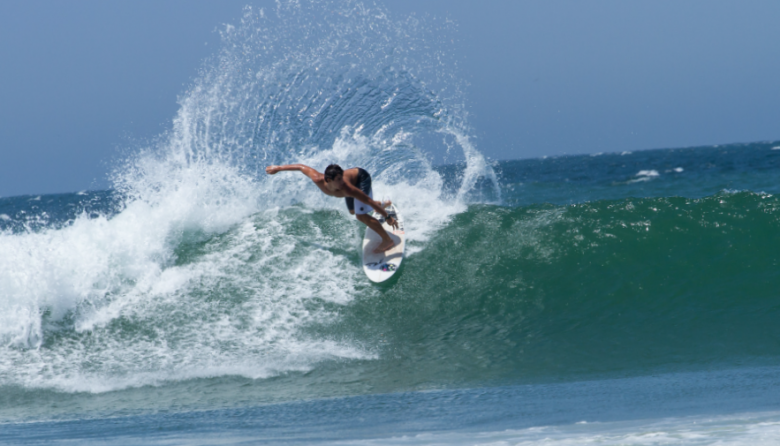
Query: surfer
{"x": 355, "y": 186}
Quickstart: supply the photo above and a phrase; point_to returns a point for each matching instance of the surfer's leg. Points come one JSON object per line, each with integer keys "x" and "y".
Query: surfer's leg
{"x": 358, "y": 207}
{"x": 364, "y": 183}
{"x": 374, "y": 224}
{"x": 362, "y": 214}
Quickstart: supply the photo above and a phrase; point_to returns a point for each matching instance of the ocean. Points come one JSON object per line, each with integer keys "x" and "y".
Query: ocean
{"x": 614, "y": 299}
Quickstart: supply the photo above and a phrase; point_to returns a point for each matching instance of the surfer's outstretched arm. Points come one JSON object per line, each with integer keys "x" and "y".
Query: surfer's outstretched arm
{"x": 306, "y": 170}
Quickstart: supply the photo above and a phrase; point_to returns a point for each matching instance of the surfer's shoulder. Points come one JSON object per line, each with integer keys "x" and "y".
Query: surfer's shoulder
{"x": 351, "y": 174}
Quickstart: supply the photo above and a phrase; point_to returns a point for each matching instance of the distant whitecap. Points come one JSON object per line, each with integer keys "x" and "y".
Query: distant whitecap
{"x": 647, "y": 173}
{"x": 644, "y": 175}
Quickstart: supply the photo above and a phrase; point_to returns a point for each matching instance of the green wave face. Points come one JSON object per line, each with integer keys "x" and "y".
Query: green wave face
{"x": 277, "y": 308}
{"x": 551, "y": 292}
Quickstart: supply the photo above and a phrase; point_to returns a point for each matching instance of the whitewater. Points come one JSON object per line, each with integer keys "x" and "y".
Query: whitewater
{"x": 623, "y": 298}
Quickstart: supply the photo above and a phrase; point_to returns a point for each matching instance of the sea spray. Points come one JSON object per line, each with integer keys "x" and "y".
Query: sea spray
{"x": 201, "y": 265}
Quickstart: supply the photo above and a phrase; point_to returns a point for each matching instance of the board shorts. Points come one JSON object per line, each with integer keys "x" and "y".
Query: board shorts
{"x": 364, "y": 184}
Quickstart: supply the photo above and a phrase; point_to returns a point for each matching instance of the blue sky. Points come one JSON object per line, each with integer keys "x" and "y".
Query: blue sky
{"x": 82, "y": 80}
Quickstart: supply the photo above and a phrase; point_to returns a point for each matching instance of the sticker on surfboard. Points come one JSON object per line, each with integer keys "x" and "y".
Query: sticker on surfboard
{"x": 381, "y": 266}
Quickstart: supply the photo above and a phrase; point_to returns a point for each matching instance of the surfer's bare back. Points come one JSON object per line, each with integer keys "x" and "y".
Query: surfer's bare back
{"x": 355, "y": 186}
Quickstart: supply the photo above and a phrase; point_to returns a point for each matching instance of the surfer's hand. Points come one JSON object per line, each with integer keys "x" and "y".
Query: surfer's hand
{"x": 391, "y": 221}
{"x": 270, "y": 170}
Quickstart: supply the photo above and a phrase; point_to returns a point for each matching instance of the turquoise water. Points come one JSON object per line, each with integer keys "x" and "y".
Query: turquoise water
{"x": 626, "y": 298}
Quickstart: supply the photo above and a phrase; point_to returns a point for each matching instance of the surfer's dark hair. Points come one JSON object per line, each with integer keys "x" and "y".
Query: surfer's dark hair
{"x": 333, "y": 171}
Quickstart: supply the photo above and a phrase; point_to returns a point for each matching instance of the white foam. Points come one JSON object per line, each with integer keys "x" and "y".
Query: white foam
{"x": 644, "y": 175}
{"x": 647, "y": 173}
{"x": 735, "y": 430}
{"x": 102, "y": 270}
{"x": 106, "y": 302}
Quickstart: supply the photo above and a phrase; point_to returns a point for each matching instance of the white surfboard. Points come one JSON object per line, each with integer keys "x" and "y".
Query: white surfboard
{"x": 382, "y": 266}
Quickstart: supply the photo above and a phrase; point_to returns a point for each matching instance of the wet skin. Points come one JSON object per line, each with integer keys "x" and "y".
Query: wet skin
{"x": 344, "y": 186}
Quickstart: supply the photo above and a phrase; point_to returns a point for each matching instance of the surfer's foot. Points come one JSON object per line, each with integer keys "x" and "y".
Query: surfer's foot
{"x": 386, "y": 203}
{"x": 384, "y": 246}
